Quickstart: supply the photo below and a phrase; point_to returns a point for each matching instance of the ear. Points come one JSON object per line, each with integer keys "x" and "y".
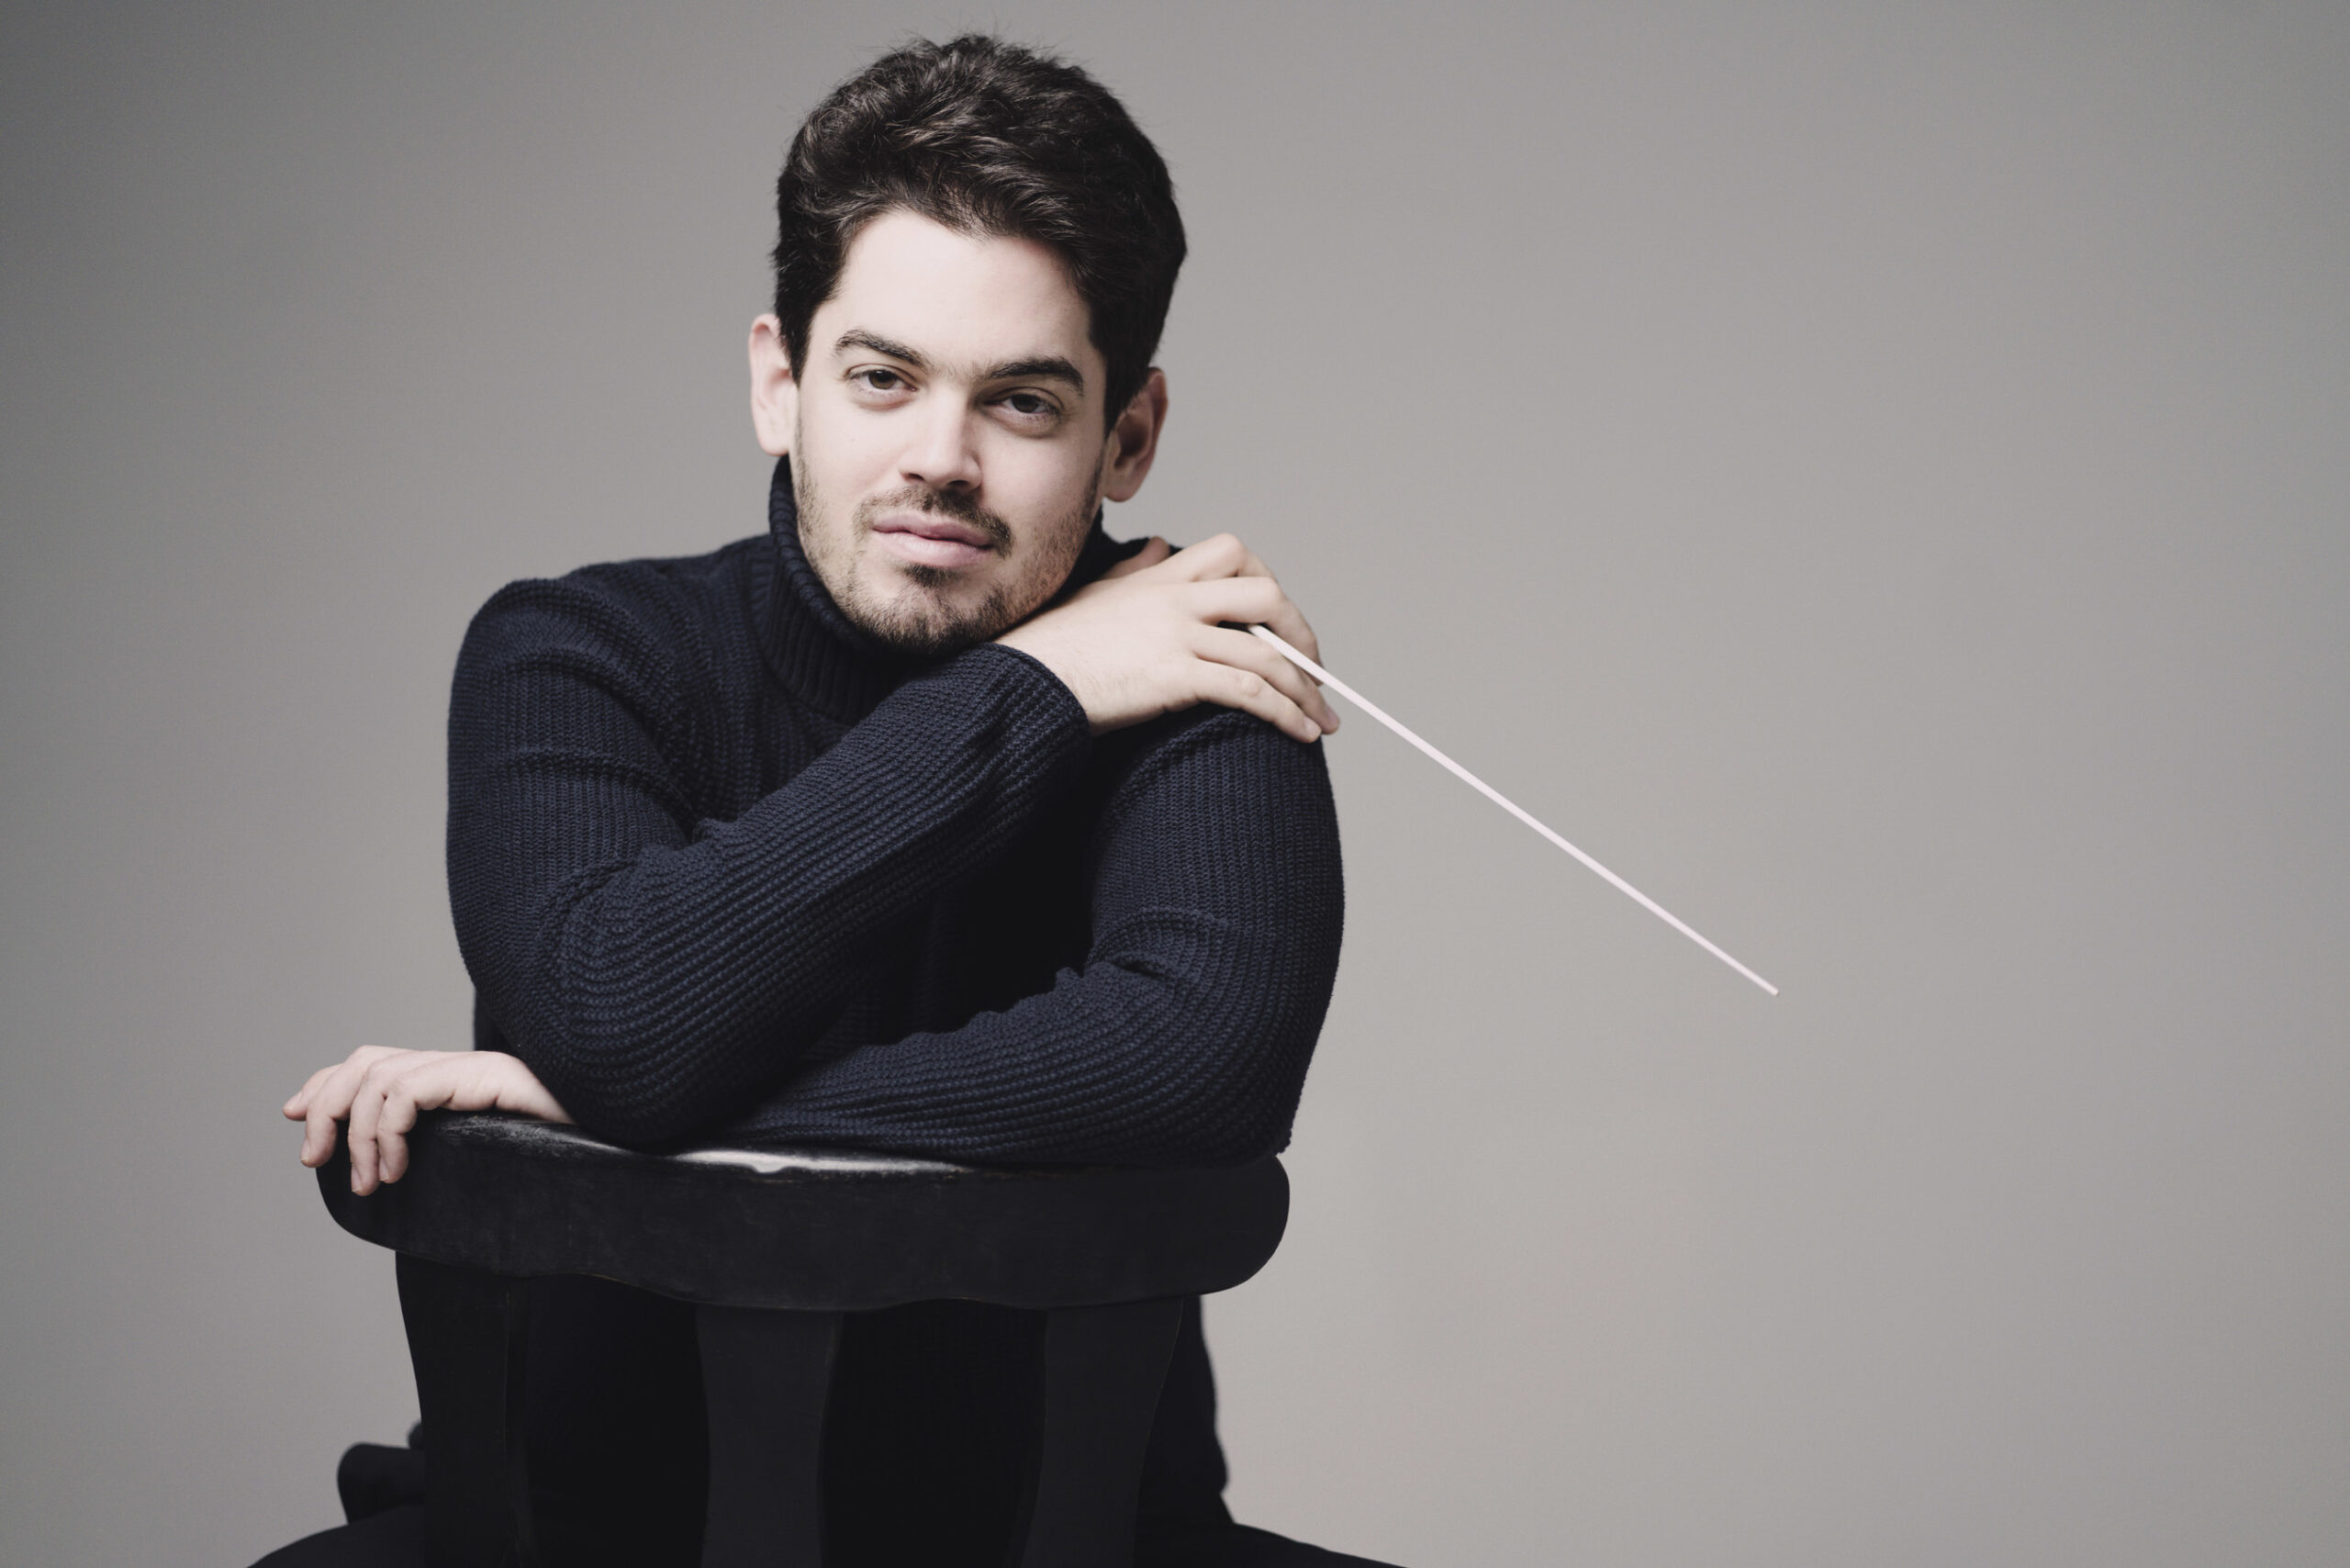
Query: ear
{"x": 1133, "y": 441}
{"x": 775, "y": 394}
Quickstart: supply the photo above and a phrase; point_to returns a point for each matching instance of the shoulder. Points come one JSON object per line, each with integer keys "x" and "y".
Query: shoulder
{"x": 676, "y": 621}
{"x": 1220, "y": 812}
{"x": 671, "y": 644}
{"x": 1219, "y": 754}
{"x": 647, "y": 605}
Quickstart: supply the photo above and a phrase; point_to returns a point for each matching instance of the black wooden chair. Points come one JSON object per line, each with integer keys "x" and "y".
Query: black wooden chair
{"x": 772, "y": 1247}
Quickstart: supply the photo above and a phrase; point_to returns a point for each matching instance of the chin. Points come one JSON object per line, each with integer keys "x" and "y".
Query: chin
{"x": 926, "y": 617}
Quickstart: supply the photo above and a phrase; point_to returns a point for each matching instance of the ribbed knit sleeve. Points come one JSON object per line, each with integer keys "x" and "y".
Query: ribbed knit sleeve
{"x": 656, "y": 968}
{"x": 1183, "y": 1039}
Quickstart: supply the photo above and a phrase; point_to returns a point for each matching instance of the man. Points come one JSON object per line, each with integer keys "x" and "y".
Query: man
{"x": 934, "y": 820}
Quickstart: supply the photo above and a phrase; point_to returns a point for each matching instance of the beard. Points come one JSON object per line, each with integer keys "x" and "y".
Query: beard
{"x": 925, "y": 612}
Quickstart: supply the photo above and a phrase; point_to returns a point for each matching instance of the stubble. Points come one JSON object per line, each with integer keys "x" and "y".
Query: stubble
{"x": 917, "y": 614}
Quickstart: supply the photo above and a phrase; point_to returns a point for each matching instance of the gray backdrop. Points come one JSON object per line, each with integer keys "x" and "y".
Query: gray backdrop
{"x": 1874, "y": 473}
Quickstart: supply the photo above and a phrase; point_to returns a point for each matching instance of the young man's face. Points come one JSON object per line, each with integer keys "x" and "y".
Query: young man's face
{"x": 948, "y": 440}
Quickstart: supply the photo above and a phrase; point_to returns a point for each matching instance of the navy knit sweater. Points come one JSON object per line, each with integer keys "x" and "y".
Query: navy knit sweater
{"x": 720, "y": 864}
{"x": 724, "y": 869}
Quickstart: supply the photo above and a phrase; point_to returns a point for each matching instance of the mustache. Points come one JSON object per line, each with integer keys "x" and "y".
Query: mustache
{"x": 956, "y": 506}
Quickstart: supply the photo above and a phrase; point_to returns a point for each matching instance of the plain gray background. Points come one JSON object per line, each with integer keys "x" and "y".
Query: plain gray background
{"x": 1874, "y": 473}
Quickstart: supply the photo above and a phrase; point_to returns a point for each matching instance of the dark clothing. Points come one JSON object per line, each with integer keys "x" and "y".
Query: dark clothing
{"x": 930, "y": 1427}
{"x": 721, "y": 866}
{"x": 395, "y": 1538}
{"x": 723, "y": 869}
{"x": 649, "y": 1516}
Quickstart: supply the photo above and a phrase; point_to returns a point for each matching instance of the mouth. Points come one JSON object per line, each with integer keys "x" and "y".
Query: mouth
{"x": 925, "y": 539}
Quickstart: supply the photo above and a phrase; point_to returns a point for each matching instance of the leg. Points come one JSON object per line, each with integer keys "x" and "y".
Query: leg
{"x": 1103, "y": 1366}
{"x": 465, "y": 1335}
{"x": 764, "y": 1378}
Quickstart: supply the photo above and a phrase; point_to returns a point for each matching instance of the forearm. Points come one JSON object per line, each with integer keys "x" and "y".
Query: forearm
{"x": 655, "y": 972}
{"x": 1193, "y": 1053}
{"x": 1185, "y": 1036}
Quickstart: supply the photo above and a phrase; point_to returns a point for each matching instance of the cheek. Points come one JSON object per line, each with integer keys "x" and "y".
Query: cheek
{"x": 849, "y": 458}
{"x": 1042, "y": 484}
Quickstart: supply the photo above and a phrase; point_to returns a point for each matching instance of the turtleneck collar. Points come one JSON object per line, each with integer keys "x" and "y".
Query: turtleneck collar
{"x": 813, "y": 648}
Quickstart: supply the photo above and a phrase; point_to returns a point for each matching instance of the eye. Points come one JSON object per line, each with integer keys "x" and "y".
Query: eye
{"x": 878, "y": 378}
{"x": 1030, "y": 407}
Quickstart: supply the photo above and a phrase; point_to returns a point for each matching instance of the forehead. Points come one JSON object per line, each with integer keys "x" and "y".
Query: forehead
{"x": 963, "y": 300}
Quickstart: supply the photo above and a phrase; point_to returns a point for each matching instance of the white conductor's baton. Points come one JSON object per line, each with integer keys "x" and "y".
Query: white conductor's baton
{"x": 1503, "y": 801}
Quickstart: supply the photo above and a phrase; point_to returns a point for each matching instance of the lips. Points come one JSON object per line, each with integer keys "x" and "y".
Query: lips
{"x": 926, "y": 539}
{"x": 938, "y": 528}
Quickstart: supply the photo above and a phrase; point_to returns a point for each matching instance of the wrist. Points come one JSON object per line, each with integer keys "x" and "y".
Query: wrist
{"x": 1052, "y": 680}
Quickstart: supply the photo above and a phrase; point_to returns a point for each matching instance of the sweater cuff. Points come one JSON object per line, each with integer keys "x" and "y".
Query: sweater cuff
{"x": 1032, "y": 693}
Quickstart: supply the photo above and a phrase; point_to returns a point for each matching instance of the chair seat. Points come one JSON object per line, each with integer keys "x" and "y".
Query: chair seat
{"x": 821, "y": 1230}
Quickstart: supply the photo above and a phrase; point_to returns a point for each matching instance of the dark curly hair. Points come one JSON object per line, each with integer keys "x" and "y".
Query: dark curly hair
{"x": 986, "y": 138}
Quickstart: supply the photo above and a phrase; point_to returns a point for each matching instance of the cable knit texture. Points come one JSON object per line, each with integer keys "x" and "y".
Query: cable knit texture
{"x": 721, "y": 866}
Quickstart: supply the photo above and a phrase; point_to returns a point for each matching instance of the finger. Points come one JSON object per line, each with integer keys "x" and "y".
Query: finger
{"x": 1154, "y": 551}
{"x": 1223, "y": 556}
{"x": 1254, "y": 602}
{"x": 341, "y": 1081}
{"x": 1243, "y": 652}
{"x": 1233, "y": 687}
{"x": 318, "y": 1139}
{"x": 366, "y": 1111}
{"x": 397, "y": 1118}
{"x": 318, "y": 1114}
{"x": 330, "y": 1101}
{"x": 1290, "y": 623}
{"x": 1244, "y": 599}
{"x": 297, "y": 1107}
{"x": 327, "y": 1103}
{"x": 354, "y": 1063}
{"x": 1257, "y": 601}
{"x": 1293, "y": 683}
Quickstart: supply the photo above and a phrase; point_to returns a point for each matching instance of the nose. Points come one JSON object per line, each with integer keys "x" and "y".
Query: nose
{"x": 941, "y": 454}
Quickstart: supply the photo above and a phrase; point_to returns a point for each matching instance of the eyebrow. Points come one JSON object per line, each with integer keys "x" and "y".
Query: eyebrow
{"x": 1041, "y": 368}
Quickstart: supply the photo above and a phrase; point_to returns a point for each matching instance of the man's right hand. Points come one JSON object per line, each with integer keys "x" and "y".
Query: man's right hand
{"x": 381, "y": 1090}
{"x": 1147, "y": 639}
